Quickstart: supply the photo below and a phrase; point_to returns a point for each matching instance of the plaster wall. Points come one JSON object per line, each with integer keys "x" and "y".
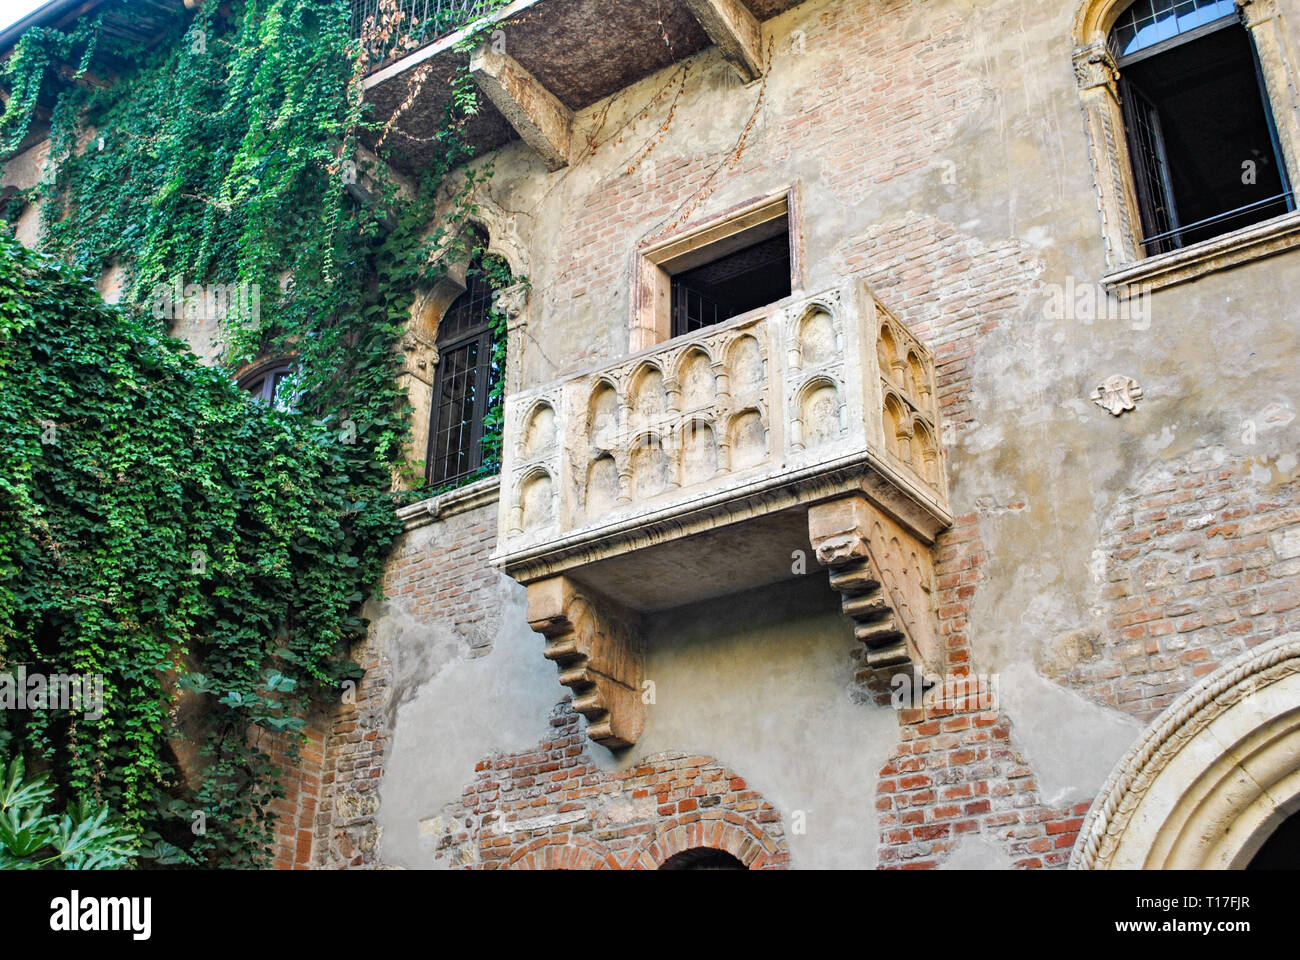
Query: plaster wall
{"x": 940, "y": 148}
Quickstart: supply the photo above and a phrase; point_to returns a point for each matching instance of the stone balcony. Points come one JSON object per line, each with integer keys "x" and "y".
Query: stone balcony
{"x": 717, "y": 462}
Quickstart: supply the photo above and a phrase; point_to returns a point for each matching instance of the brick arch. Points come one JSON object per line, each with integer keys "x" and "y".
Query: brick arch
{"x": 572, "y": 853}
{"x": 716, "y": 830}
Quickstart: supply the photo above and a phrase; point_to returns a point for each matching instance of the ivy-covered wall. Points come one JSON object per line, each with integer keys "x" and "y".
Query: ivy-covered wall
{"x": 159, "y": 528}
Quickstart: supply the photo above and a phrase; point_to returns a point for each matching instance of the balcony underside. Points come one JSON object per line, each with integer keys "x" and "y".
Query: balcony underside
{"x": 717, "y": 563}
{"x": 580, "y": 51}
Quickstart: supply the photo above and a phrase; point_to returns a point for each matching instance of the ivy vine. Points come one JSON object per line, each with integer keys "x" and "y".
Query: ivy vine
{"x": 158, "y": 528}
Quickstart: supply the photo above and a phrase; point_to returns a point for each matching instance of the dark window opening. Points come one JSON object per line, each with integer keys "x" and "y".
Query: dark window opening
{"x": 735, "y": 282}
{"x": 466, "y": 374}
{"x": 1281, "y": 851}
{"x": 702, "y": 858}
{"x": 268, "y": 386}
{"x": 1201, "y": 135}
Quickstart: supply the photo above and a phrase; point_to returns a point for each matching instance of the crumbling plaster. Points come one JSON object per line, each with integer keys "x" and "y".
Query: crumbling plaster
{"x": 1040, "y": 464}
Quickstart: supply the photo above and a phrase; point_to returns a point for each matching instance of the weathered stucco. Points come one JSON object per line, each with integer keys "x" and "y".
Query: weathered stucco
{"x": 939, "y": 149}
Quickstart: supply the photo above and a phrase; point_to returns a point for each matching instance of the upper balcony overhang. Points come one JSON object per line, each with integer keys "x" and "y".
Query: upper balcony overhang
{"x": 550, "y": 59}
{"x": 142, "y": 24}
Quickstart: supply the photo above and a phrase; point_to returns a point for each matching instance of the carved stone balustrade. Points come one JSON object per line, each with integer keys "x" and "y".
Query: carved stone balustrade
{"x": 714, "y": 462}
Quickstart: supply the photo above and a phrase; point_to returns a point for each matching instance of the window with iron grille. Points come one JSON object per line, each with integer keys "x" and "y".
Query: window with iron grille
{"x": 462, "y": 387}
{"x": 735, "y": 281}
{"x": 1201, "y": 133}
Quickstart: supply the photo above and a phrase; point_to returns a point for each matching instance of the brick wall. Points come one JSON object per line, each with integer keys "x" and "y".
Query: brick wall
{"x": 553, "y": 808}
{"x": 438, "y": 573}
{"x": 955, "y": 770}
{"x": 295, "y": 812}
{"x": 1198, "y": 564}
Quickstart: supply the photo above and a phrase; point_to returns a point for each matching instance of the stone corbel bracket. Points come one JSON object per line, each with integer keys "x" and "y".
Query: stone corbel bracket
{"x": 537, "y": 115}
{"x": 735, "y": 30}
{"x": 598, "y": 648}
{"x": 885, "y": 576}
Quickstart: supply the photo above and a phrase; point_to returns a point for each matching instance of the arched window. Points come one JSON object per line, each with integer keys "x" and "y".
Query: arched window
{"x": 267, "y": 384}
{"x": 466, "y": 374}
{"x": 1201, "y": 134}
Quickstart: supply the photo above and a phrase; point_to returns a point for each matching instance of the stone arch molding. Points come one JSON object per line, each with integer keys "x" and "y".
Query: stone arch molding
{"x": 1093, "y": 20}
{"x": 1211, "y": 778}
{"x": 502, "y": 233}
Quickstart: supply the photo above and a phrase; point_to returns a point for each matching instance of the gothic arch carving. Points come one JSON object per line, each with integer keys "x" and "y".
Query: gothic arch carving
{"x": 502, "y": 241}
{"x": 503, "y": 234}
{"x": 1211, "y": 778}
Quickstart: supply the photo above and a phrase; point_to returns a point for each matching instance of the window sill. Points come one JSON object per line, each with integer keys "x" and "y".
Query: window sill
{"x": 1220, "y": 253}
{"x": 481, "y": 493}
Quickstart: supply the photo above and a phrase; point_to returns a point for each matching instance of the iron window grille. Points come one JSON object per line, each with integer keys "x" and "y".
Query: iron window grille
{"x": 466, "y": 375}
{"x": 1184, "y": 164}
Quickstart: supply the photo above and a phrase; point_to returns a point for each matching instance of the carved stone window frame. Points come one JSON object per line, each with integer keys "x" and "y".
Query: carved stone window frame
{"x": 419, "y": 342}
{"x": 1097, "y": 75}
{"x": 651, "y": 320}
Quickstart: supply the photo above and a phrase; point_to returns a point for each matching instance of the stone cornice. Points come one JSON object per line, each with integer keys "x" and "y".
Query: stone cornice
{"x": 481, "y": 493}
{"x": 861, "y": 472}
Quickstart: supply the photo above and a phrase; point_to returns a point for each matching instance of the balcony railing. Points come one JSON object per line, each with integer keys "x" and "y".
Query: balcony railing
{"x": 392, "y": 28}
{"x": 769, "y": 410}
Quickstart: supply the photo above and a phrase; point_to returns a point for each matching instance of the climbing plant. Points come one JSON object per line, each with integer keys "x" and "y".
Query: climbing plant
{"x": 160, "y": 529}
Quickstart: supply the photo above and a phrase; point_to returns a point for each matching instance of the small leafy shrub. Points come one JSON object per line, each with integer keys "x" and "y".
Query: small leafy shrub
{"x": 86, "y": 837}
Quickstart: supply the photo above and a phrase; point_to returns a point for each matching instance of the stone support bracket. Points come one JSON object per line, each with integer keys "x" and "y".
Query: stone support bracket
{"x": 538, "y": 117}
{"x": 598, "y": 648}
{"x": 735, "y": 30}
{"x": 885, "y": 576}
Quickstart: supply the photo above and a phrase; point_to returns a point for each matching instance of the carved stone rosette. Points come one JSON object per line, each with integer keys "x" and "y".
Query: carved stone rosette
{"x": 1117, "y": 395}
{"x": 597, "y": 647}
{"x": 885, "y": 577}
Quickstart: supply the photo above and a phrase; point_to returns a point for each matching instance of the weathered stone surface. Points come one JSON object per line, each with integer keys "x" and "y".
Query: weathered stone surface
{"x": 598, "y": 649}
{"x": 686, "y": 438}
{"x": 545, "y": 124}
